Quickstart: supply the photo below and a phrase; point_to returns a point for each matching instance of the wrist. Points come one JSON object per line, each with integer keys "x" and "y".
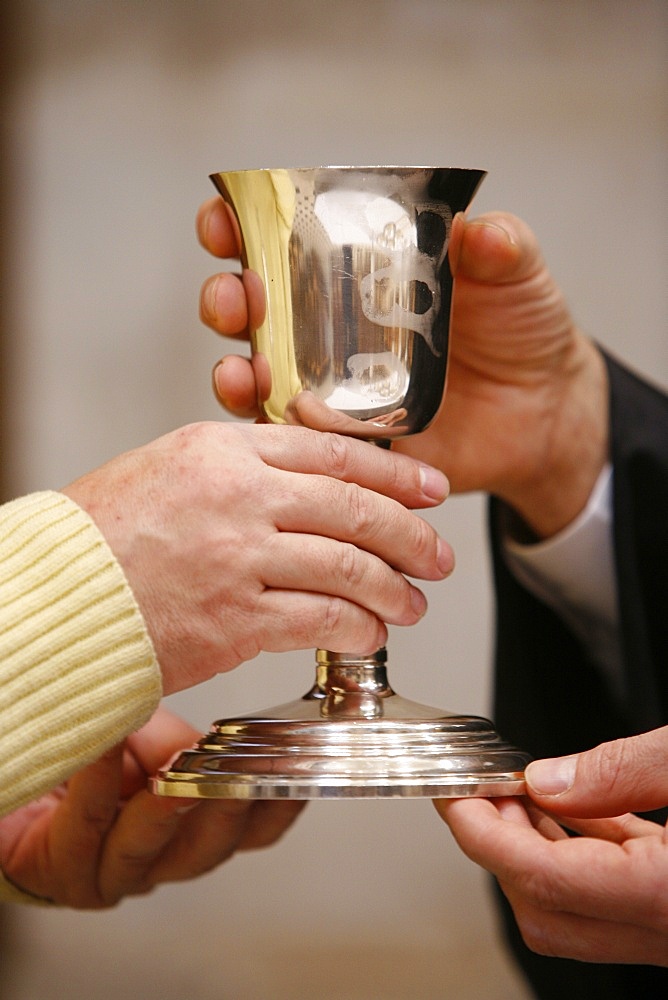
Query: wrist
{"x": 574, "y": 453}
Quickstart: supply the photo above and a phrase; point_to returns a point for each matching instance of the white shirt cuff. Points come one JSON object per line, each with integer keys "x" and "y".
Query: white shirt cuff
{"x": 574, "y": 573}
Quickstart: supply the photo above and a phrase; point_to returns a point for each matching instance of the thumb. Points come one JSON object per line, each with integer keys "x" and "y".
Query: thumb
{"x": 629, "y": 775}
{"x": 496, "y": 248}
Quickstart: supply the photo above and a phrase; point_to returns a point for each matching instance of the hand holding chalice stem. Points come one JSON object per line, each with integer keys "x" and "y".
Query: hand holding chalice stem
{"x": 354, "y": 340}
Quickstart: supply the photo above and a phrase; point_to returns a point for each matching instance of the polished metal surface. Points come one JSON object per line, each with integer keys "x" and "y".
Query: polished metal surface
{"x": 358, "y": 285}
{"x": 354, "y": 261}
{"x": 350, "y": 736}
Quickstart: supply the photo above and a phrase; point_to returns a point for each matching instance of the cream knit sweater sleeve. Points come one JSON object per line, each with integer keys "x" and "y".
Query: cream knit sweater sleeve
{"x": 78, "y": 671}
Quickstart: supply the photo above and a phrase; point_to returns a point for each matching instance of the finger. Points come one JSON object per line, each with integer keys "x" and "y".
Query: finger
{"x": 163, "y": 735}
{"x": 513, "y": 809}
{"x": 133, "y": 775}
{"x": 568, "y": 935}
{"x": 617, "y": 829}
{"x": 217, "y": 229}
{"x": 497, "y": 248}
{"x": 146, "y": 843}
{"x": 255, "y": 297}
{"x": 295, "y": 620}
{"x": 144, "y": 829}
{"x": 223, "y": 305}
{"x": 508, "y": 314}
{"x": 498, "y": 836}
{"x": 162, "y": 840}
{"x": 305, "y": 409}
{"x": 267, "y": 822}
{"x": 79, "y": 827}
{"x": 472, "y": 819}
{"x": 207, "y": 837}
{"x": 147, "y": 749}
{"x": 342, "y": 570}
{"x": 522, "y": 811}
{"x": 298, "y": 449}
{"x": 235, "y": 386}
{"x": 545, "y": 825}
{"x": 345, "y": 512}
{"x": 592, "y": 878}
{"x": 628, "y": 775}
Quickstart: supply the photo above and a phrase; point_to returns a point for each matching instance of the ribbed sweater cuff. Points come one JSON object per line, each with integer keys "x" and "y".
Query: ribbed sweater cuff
{"x": 78, "y": 671}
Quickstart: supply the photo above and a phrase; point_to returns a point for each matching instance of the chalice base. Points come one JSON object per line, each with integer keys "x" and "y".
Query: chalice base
{"x": 350, "y": 736}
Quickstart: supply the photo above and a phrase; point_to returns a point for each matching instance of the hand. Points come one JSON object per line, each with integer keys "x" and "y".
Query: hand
{"x": 599, "y": 897}
{"x": 103, "y": 836}
{"x": 238, "y": 538}
{"x": 525, "y": 412}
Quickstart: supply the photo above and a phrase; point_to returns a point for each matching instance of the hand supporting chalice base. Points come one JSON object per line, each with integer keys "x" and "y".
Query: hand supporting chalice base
{"x": 355, "y": 266}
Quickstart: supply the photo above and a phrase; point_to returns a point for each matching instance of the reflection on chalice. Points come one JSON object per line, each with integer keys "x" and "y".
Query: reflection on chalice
{"x": 354, "y": 261}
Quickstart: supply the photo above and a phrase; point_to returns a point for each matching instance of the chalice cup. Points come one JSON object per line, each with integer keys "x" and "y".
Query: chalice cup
{"x": 354, "y": 262}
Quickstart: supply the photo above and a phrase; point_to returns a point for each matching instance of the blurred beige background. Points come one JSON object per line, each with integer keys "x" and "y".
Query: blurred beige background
{"x": 118, "y": 112}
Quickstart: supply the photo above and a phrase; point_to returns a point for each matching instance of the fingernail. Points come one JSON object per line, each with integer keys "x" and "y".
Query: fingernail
{"x": 434, "y": 483}
{"x": 496, "y": 228}
{"x": 204, "y": 224}
{"x": 209, "y": 298}
{"x": 445, "y": 558}
{"x": 186, "y": 808}
{"x": 551, "y": 777}
{"x": 418, "y": 602}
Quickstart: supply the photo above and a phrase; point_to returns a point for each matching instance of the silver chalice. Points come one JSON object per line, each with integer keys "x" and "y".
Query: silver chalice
{"x": 354, "y": 262}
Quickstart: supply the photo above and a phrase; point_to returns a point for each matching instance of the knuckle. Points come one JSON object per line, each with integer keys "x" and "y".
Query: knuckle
{"x": 194, "y": 437}
{"x": 350, "y": 562}
{"x": 206, "y": 301}
{"x": 608, "y": 763}
{"x": 333, "y": 615}
{"x": 242, "y": 644}
{"x": 541, "y": 890}
{"x": 361, "y": 510}
{"x": 555, "y": 937}
{"x": 535, "y": 936}
{"x": 299, "y": 629}
{"x": 419, "y": 547}
{"x": 424, "y": 540}
{"x": 337, "y": 456}
{"x": 402, "y": 476}
{"x": 97, "y": 817}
